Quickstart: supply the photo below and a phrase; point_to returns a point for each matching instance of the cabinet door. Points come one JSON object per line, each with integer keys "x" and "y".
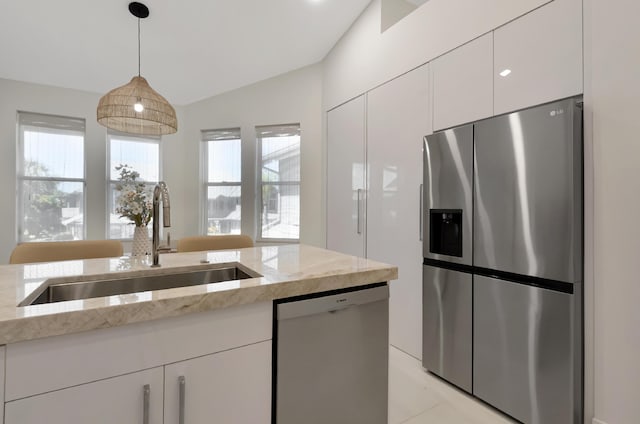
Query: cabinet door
{"x": 543, "y": 51}
{"x": 119, "y": 400}
{"x": 346, "y": 173}
{"x": 463, "y": 84}
{"x": 231, "y": 387}
{"x": 397, "y": 121}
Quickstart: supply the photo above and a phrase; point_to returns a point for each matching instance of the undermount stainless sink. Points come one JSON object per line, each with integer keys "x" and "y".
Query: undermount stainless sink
{"x": 58, "y": 290}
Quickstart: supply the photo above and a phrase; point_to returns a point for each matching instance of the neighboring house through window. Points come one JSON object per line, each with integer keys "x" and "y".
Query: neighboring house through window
{"x": 142, "y": 154}
{"x": 279, "y": 182}
{"x": 222, "y": 181}
{"x": 51, "y": 178}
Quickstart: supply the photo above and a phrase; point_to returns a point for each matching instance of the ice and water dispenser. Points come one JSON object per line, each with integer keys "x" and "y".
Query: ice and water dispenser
{"x": 445, "y": 232}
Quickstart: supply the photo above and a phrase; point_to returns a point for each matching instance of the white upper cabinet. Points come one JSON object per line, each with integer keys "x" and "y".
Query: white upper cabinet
{"x": 398, "y": 117}
{"x": 346, "y": 173}
{"x": 463, "y": 84}
{"x": 543, "y": 52}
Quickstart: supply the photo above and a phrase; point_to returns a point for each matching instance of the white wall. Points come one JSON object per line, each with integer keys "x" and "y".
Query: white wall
{"x": 364, "y": 58}
{"x": 612, "y": 70}
{"x": 295, "y": 97}
{"x": 19, "y": 96}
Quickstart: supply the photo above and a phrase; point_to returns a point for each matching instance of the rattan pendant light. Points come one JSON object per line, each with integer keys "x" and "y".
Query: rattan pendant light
{"x": 137, "y": 108}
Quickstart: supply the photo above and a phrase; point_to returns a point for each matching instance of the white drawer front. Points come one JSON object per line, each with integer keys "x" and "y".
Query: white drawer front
{"x": 54, "y": 363}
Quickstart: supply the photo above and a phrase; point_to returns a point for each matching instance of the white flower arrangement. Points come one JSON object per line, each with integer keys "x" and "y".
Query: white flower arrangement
{"x": 135, "y": 201}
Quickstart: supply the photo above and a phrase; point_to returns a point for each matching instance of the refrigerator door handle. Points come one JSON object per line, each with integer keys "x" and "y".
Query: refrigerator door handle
{"x": 421, "y": 219}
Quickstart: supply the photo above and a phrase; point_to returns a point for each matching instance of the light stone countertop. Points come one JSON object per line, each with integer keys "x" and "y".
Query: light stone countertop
{"x": 288, "y": 270}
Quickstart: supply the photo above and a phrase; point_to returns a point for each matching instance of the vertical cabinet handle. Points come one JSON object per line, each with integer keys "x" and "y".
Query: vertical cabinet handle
{"x": 358, "y": 229}
{"x": 181, "y": 383}
{"x": 421, "y": 211}
{"x": 146, "y": 390}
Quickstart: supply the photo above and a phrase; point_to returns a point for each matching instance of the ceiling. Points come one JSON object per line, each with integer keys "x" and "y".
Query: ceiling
{"x": 191, "y": 49}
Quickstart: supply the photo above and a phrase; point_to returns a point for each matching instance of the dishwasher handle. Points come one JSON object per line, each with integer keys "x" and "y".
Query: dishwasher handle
{"x": 331, "y": 303}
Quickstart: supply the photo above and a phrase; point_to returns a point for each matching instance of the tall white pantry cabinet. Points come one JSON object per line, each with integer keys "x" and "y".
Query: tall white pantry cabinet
{"x": 374, "y": 184}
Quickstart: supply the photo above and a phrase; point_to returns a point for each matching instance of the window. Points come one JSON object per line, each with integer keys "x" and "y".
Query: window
{"x": 279, "y": 179}
{"x": 51, "y": 178}
{"x": 141, "y": 154}
{"x": 222, "y": 181}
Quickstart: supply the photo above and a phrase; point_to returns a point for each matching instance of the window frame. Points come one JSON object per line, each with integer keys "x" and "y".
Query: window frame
{"x": 111, "y": 183}
{"x": 260, "y": 184}
{"x": 207, "y": 136}
{"x": 56, "y": 125}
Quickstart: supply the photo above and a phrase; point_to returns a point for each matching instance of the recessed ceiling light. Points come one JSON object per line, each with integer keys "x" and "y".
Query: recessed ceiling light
{"x": 505, "y": 72}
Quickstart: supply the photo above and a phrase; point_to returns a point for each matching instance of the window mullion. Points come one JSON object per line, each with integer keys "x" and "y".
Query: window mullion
{"x": 53, "y": 179}
{"x": 223, "y": 184}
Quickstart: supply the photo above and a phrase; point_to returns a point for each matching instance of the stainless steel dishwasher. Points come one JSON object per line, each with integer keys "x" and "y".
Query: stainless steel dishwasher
{"x": 331, "y": 357}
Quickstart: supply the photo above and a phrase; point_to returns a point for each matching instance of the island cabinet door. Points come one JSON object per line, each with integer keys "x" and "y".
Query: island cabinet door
{"x": 129, "y": 399}
{"x": 230, "y": 387}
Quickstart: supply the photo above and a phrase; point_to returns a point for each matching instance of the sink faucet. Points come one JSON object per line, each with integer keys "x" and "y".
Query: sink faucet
{"x": 160, "y": 190}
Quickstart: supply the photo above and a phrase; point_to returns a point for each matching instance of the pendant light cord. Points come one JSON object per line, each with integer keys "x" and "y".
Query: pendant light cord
{"x": 138, "y": 46}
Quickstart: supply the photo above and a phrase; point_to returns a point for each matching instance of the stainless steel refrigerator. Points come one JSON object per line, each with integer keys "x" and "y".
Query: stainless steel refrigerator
{"x": 502, "y": 270}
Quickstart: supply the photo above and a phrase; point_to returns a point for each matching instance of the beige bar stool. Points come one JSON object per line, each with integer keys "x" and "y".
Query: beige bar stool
{"x": 65, "y": 250}
{"x": 198, "y": 243}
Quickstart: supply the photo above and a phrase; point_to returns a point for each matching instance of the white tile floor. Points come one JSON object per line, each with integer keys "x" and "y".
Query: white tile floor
{"x": 416, "y": 397}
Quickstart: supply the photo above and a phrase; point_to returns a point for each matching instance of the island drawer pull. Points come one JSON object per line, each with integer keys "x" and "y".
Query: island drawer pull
{"x": 146, "y": 390}
{"x": 181, "y": 383}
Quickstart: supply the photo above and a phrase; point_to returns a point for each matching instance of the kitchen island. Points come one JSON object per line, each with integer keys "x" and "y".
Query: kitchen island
{"x": 202, "y": 351}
